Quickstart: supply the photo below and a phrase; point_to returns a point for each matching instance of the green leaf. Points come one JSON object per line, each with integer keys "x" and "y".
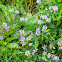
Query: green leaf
{"x": 22, "y": 10}
{"x": 59, "y": 0}
{"x": 58, "y": 22}
{"x": 36, "y": 42}
{"x": 32, "y": 61}
{"x": 60, "y": 40}
{"x": 12, "y": 45}
{"x": 26, "y": 61}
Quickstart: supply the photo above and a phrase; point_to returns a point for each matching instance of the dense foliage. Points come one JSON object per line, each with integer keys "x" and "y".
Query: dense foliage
{"x": 30, "y": 31}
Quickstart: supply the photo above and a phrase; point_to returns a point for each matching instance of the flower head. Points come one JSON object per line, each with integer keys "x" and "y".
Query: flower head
{"x": 43, "y": 57}
{"x": 48, "y": 20}
{"x": 39, "y": 21}
{"x": 23, "y": 43}
{"x": 34, "y": 51}
{"x": 38, "y": 1}
{"x": 37, "y": 31}
{"x": 55, "y": 8}
{"x": 21, "y": 19}
{"x": 44, "y": 47}
{"x": 11, "y": 10}
{"x": 4, "y": 24}
{"x": 13, "y": 17}
{"x": 30, "y": 44}
{"x": 49, "y": 55}
{"x": 31, "y": 36}
{"x": 1, "y": 37}
{"x": 27, "y": 53}
{"x": 56, "y": 58}
{"x": 44, "y": 27}
{"x": 25, "y": 33}
{"x": 21, "y": 31}
{"x": 51, "y": 46}
{"x": 7, "y": 28}
{"x": 17, "y": 11}
{"x": 44, "y": 17}
{"x": 26, "y": 19}
{"x": 28, "y": 38}
{"x": 60, "y": 47}
{"x": 59, "y": 43}
{"x": 22, "y": 38}
{"x": 50, "y": 7}
{"x": 19, "y": 39}
{"x": 44, "y": 53}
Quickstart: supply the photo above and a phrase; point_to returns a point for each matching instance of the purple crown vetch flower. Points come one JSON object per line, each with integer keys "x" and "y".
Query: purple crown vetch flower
{"x": 27, "y": 53}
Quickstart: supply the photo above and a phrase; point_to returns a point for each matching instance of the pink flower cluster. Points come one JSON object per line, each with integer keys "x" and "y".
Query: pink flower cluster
{"x": 49, "y": 55}
{"x": 22, "y": 41}
{"x": 56, "y": 58}
{"x": 22, "y": 37}
{"x": 27, "y": 53}
{"x": 17, "y": 11}
{"x": 11, "y": 10}
{"x": 38, "y": 1}
{"x": 59, "y": 43}
{"x": 45, "y": 17}
{"x": 1, "y": 37}
{"x": 22, "y": 33}
{"x": 55, "y": 8}
{"x": 6, "y": 27}
{"x": 37, "y": 31}
{"x": 44, "y": 47}
{"x": 22, "y": 19}
{"x": 29, "y": 38}
{"x": 44, "y": 28}
{"x": 34, "y": 51}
